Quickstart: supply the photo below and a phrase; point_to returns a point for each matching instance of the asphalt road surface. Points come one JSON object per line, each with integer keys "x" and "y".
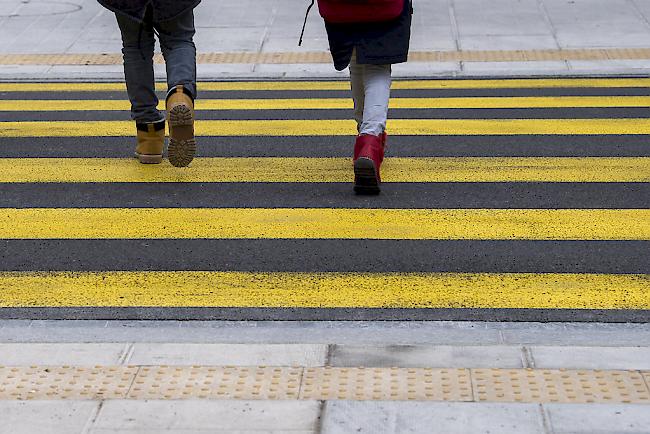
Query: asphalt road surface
{"x": 503, "y": 200}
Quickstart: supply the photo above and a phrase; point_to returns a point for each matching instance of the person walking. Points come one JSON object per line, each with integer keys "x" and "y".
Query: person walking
{"x": 368, "y": 36}
{"x": 173, "y": 22}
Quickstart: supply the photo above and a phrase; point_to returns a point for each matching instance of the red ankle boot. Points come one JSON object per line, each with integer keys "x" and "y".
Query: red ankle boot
{"x": 368, "y": 156}
{"x": 384, "y": 139}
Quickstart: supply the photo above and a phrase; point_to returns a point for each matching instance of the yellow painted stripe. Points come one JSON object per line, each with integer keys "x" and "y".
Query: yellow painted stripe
{"x": 435, "y": 169}
{"x": 325, "y": 290}
{"x": 313, "y": 223}
{"x": 344, "y": 85}
{"x": 341, "y": 103}
{"x": 434, "y": 127}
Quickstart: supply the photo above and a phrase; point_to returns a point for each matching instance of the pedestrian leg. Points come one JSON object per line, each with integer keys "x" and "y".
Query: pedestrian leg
{"x": 179, "y": 51}
{"x": 371, "y": 142}
{"x": 138, "y": 47}
{"x": 377, "y": 82}
{"x": 176, "y": 41}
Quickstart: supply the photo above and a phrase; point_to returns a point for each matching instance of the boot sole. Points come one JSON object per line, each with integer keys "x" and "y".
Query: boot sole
{"x": 182, "y": 144}
{"x": 365, "y": 177}
{"x": 149, "y": 159}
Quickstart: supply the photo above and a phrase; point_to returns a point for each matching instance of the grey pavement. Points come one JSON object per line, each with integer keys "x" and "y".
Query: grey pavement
{"x": 405, "y": 356}
{"x": 205, "y": 416}
{"x": 159, "y": 417}
{"x": 341, "y": 417}
{"x": 371, "y": 344}
{"x": 332, "y": 417}
{"x": 255, "y": 26}
{"x": 365, "y": 333}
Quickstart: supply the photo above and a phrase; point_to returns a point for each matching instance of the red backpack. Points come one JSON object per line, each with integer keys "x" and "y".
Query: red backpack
{"x": 360, "y": 11}
{"x": 356, "y": 11}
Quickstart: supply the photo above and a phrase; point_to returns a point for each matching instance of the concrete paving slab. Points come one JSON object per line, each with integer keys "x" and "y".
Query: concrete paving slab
{"x": 100, "y": 33}
{"x": 643, "y": 7}
{"x": 575, "y": 38}
{"x": 598, "y": 418}
{"x": 559, "y": 334}
{"x": 51, "y": 417}
{"x": 15, "y": 323}
{"x": 419, "y": 417}
{"x": 224, "y": 332}
{"x": 426, "y": 69}
{"x": 508, "y": 42}
{"x": 193, "y": 431}
{"x": 30, "y": 25}
{"x": 359, "y": 333}
{"x": 23, "y": 72}
{"x": 228, "y": 355}
{"x": 289, "y": 44}
{"x": 438, "y": 26}
{"x": 208, "y": 416}
{"x": 288, "y": 20}
{"x": 224, "y": 39}
{"x": 325, "y": 332}
{"x": 62, "y": 354}
{"x": 613, "y": 66}
{"x": 69, "y": 324}
{"x": 318, "y": 70}
{"x": 93, "y": 72}
{"x": 591, "y": 357}
{"x": 216, "y": 72}
{"x": 144, "y": 324}
{"x": 25, "y": 334}
{"x": 607, "y": 22}
{"x": 503, "y": 17}
{"x": 427, "y": 356}
{"x": 514, "y": 68}
{"x": 437, "y": 40}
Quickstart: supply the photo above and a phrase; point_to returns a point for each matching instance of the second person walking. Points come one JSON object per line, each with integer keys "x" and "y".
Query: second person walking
{"x": 173, "y": 22}
{"x": 368, "y": 36}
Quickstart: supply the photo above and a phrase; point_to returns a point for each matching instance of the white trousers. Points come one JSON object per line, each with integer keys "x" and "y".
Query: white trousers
{"x": 371, "y": 91}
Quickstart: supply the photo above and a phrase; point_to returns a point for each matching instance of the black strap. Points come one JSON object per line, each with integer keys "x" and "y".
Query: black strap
{"x": 157, "y": 126}
{"x": 305, "y": 23}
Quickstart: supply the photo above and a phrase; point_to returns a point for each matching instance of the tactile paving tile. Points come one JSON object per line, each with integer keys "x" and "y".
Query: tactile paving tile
{"x": 324, "y": 57}
{"x": 205, "y": 382}
{"x": 65, "y": 382}
{"x": 565, "y": 386}
{"x": 323, "y": 383}
{"x": 421, "y": 384}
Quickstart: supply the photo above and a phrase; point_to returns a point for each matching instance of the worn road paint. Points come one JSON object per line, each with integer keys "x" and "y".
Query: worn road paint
{"x": 317, "y": 223}
{"x": 271, "y": 169}
{"x": 342, "y": 103}
{"x": 400, "y": 127}
{"x": 325, "y": 290}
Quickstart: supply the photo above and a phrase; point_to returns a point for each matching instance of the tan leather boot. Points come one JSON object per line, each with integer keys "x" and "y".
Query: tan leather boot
{"x": 180, "y": 114}
{"x": 151, "y": 141}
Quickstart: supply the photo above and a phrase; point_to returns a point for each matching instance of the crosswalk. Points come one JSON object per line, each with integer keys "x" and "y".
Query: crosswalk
{"x": 513, "y": 199}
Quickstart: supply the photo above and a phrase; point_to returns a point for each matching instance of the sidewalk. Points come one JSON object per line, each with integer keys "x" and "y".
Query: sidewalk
{"x": 283, "y": 377}
{"x": 258, "y": 39}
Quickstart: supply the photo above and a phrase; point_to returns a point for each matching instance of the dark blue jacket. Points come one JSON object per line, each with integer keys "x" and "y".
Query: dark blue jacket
{"x": 376, "y": 43}
{"x": 163, "y": 10}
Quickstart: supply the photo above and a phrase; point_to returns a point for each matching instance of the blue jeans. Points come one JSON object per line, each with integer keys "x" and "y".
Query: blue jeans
{"x": 177, "y": 44}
